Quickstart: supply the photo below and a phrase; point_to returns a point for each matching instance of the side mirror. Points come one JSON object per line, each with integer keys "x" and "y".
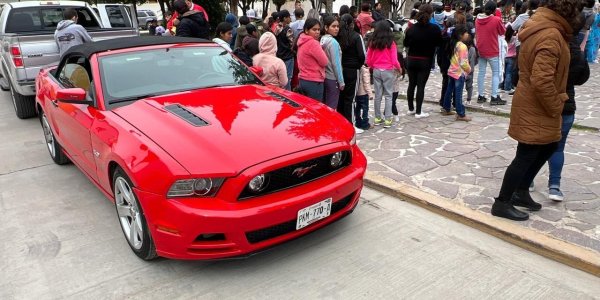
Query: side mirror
{"x": 257, "y": 70}
{"x": 73, "y": 95}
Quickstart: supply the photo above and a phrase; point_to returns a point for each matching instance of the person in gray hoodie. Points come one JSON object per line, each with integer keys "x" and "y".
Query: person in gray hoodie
{"x": 334, "y": 78}
{"x": 68, "y": 33}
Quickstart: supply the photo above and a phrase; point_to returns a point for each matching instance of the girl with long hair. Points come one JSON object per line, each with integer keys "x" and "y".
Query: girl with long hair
{"x": 382, "y": 57}
{"x": 421, "y": 39}
{"x": 334, "y": 79}
{"x": 459, "y": 68}
{"x": 311, "y": 60}
{"x": 353, "y": 58}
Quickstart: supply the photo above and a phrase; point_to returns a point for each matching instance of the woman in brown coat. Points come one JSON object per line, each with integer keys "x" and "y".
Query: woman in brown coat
{"x": 535, "y": 120}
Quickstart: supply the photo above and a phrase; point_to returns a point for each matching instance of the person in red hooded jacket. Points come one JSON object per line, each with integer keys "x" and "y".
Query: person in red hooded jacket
{"x": 174, "y": 20}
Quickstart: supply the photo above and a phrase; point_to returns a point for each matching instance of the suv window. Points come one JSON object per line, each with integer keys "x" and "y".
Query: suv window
{"x": 31, "y": 19}
{"x": 141, "y": 14}
{"x": 116, "y": 16}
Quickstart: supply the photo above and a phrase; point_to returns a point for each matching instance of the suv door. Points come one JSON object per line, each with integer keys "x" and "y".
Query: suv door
{"x": 117, "y": 16}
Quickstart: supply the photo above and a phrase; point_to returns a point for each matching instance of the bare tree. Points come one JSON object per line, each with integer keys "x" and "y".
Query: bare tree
{"x": 278, "y": 4}
{"x": 244, "y": 5}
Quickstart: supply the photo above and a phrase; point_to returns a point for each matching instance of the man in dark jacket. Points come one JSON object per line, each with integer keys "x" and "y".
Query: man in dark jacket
{"x": 192, "y": 23}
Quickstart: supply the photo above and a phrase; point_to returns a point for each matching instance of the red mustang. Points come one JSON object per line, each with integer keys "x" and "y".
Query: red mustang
{"x": 200, "y": 158}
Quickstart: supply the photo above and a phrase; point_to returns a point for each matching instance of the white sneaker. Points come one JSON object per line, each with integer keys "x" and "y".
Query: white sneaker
{"x": 410, "y": 113}
{"x": 358, "y": 130}
{"x": 421, "y": 115}
{"x": 396, "y": 118}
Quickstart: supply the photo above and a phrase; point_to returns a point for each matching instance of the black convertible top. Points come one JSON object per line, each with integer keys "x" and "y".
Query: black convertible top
{"x": 88, "y": 49}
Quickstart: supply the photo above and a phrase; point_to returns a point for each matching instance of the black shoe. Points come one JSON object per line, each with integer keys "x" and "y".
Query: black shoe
{"x": 523, "y": 199}
{"x": 497, "y": 101}
{"x": 508, "y": 211}
{"x": 512, "y": 92}
{"x": 481, "y": 99}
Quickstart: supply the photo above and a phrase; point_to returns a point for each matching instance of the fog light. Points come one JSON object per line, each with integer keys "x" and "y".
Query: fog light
{"x": 258, "y": 183}
{"x": 337, "y": 159}
{"x": 202, "y": 186}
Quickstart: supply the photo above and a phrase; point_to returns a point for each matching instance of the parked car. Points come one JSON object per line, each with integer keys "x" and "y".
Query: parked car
{"x": 145, "y": 18}
{"x": 27, "y": 37}
{"x": 200, "y": 158}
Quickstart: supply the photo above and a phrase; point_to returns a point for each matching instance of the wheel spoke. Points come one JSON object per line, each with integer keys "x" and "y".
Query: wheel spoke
{"x": 132, "y": 232}
{"x": 123, "y": 210}
{"x": 138, "y": 227}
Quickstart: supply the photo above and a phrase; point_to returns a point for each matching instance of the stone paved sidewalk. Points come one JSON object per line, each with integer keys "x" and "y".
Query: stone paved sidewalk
{"x": 588, "y": 103}
{"x": 465, "y": 162}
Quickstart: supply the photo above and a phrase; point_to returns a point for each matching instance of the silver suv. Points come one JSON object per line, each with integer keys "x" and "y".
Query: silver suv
{"x": 145, "y": 17}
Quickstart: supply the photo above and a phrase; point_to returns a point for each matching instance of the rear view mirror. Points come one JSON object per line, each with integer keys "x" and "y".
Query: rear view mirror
{"x": 257, "y": 70}
{"x": 73, "y": 95}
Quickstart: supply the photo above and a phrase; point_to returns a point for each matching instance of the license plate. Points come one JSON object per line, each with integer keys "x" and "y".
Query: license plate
{"x": 313, "y": 213}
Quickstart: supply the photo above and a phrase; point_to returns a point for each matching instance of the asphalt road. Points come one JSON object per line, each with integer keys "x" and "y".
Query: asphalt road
{"x": 61, "y": 239}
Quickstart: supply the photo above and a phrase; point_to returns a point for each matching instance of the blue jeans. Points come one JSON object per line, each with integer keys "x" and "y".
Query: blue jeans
{"x": 557, "y": 160}
{"x": 455, "y": 86}
{"x": 509, "y": 66}
{"x": 289, "y": 66}
{"x": 361, "y": 112}
{"x": 312, "y": 89}
{"x": 495, "y": 64}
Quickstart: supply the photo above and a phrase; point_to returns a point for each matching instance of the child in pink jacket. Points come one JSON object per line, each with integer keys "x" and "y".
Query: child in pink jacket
{"x": 274, "y": 71}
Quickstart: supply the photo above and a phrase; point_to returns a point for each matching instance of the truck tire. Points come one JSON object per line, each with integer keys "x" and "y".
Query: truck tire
{"x": 4, "y": 84}
{"x": 24, "y": 105}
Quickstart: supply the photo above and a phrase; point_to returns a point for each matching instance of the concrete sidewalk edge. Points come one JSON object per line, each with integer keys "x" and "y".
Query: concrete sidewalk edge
{"x": 575, "y": 256}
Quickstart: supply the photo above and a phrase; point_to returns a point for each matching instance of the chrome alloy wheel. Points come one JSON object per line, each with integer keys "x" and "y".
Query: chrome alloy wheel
{"x": 129, "y": 213}
{"x": 49, "y": 136}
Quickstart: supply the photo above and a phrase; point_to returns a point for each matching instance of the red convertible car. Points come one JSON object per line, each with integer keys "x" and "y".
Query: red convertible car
{"x": 200, "y": 158}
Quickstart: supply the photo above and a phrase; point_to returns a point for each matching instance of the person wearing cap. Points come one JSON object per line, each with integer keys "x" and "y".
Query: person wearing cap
{"x": 285, "y": 39}
{"x": 174, "y": 20}
{"x": 260, "y": 25}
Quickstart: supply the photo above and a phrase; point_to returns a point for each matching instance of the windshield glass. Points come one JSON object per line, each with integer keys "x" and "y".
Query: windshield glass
{"x": 156, "y": 72}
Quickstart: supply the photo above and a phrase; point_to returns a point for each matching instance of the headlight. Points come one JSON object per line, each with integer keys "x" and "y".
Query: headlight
{"x": 258, "y": 183}
{"x": 203, "y": 187}
{"x": 337, "y": 159}
{"x": 353, "y": 140}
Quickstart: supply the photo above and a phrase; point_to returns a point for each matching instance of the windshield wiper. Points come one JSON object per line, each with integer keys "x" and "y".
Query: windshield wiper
{"x": 132, "y": 98}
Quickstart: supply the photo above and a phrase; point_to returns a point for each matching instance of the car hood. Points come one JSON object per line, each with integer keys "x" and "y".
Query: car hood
{"x": 243, "y": 126}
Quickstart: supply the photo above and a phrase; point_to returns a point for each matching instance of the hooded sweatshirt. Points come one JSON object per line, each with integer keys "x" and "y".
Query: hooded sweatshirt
{"x": 311, "y": 59}
{"x": 231, "y": 19}
{"x": 332, "y": 49}
{"x": 364, "y": 21}
{"x": 69, "y": 34}
{"x": 193, "y": 24}
{"x": 488, "y": 29}
{"x": 274, "y": 71}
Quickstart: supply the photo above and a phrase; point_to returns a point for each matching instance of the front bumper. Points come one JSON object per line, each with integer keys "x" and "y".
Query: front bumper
{"x": 247, "y": 226}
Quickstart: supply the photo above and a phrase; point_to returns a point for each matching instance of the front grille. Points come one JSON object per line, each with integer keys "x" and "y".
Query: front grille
{"x": 287, "y": 227}
{"x": 298, "y": 174}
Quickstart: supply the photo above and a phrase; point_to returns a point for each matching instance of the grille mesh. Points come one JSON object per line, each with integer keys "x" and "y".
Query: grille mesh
{"x": 287, "y": 227}
{"x": 298, "y": 174}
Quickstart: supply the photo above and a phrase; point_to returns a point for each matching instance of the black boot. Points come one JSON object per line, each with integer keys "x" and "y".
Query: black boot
{"x": 497, "y": 101}
{"x": 523, "y": 199}
{"x": 507, "y": 210}
{"x": 481, "y": 99}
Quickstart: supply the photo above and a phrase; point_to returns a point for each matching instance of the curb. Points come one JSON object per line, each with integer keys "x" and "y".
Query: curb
{"x": 500, "y": 113}
{"x": 539, "y": 243}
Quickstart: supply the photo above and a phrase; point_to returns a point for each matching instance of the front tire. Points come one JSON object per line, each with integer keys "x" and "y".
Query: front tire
{"x": 131, "y": 217}
{"x": 54, "y": 148}
{"x": 24, "y": 105}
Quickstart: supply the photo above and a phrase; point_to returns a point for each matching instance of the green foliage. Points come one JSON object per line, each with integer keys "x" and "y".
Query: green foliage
{"x": 215, "y": 11}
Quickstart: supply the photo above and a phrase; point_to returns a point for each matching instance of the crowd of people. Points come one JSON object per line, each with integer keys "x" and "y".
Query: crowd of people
{"x": 537, "y": 50}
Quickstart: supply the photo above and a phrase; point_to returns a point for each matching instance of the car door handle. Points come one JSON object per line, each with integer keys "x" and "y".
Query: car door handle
{"x": 54, "y": 103}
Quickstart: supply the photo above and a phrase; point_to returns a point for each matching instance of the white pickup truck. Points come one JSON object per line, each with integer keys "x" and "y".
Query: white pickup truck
{"x": 27, "y": 40}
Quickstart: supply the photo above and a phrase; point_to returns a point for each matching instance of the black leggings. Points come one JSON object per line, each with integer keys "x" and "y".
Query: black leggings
{"x": 348, "y": 94}
{"x": 418, "y": 74}
{"x": 521, "y": 172}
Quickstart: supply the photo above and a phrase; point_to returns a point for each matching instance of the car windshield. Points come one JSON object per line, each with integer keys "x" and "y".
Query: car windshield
{"x": 141, "y": 74}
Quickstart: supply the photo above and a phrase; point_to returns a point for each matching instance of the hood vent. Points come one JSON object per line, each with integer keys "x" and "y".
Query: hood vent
{"x": 186, "y": 115}
{"x": 283, "y": 99}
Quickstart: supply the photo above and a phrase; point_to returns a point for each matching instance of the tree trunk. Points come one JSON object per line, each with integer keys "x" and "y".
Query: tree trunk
{"x": 329, "y": 6}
